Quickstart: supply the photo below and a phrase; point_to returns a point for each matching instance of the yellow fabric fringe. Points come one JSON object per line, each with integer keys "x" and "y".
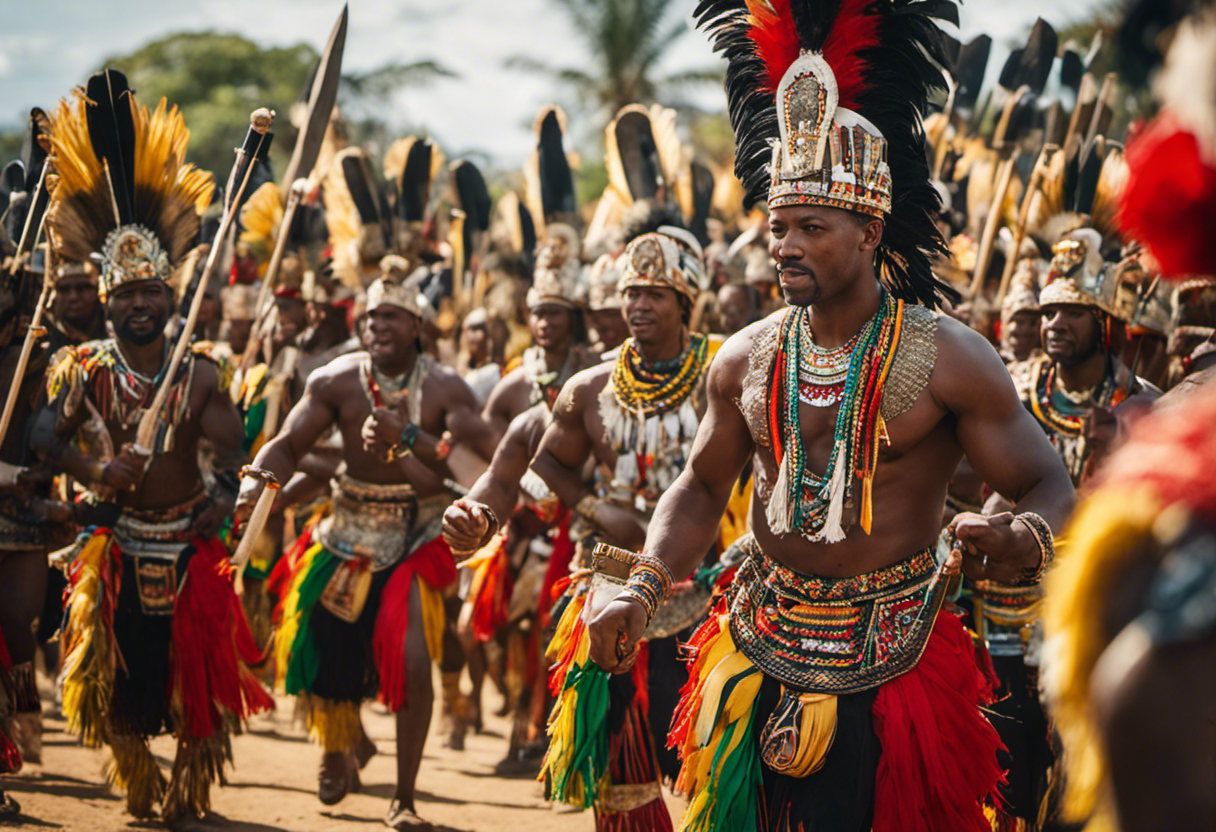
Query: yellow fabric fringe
{"x": 133, "y": 769}
{"x": 565, "y": 654}
{"x": 198, "y": 764}
{"x": 88, "y": 652}
{"x": 334, "y": 725}
{"x": 1108, "y": 528}
{"x": 289, "y": 624}
{"x": 433, "y": 618}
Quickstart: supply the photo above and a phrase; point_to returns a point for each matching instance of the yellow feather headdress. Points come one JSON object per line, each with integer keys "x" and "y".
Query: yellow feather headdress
{"x": 123, "y": 192}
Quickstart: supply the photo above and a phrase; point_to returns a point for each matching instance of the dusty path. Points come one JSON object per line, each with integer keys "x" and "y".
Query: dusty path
{"x": 273, "y": 786}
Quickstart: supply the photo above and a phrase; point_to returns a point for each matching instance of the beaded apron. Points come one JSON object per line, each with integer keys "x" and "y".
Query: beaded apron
{"x": 369, "y": 521}
{"x": 834, "y": 635}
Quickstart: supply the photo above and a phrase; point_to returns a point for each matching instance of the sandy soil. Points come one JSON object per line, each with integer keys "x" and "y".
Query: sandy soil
{"x": 273, "y": 784}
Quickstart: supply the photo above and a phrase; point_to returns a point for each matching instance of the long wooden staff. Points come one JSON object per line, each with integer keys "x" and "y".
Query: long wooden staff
{"x": 145, "y": 436}
{"x": 34, "y": 330}
{"x": 1019, "y": 233}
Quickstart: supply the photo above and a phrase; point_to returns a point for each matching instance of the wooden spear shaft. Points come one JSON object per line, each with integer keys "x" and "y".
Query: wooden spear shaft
{"x": 145, "y": 435}
{"x": 27, "y": 346}
{"x": 1019, "y": 234}
{"x": 272, "y": 272}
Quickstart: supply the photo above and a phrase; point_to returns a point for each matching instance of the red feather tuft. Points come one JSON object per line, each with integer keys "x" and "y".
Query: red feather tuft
{"x": 1170, "y": 199}
{"x": 853, "y": 32}
{"x": 775, "y": 37}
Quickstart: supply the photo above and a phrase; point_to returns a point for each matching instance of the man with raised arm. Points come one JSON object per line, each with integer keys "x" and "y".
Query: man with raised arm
{"x": 831, "y": 687}
{"x": 364, "y": 610}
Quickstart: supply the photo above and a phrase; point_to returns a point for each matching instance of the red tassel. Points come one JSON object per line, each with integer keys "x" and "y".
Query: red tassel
{"x": 280, "y": 576}
{"x": 938, "y": 766}
{"x": 432, "y": 563}
{"x": 690, "y": 698}
{"x": 559, "y": 568}
{"x": 1170, "y": 199}
{"x": 212, "y": 645}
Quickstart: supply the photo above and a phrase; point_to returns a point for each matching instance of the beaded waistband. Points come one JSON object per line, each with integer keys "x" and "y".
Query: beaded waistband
{"x": 369, "y": 521}
{"x": 1009, "y": 614}
{"x": 834, "y": 635}
{"x": 156, "y": 532}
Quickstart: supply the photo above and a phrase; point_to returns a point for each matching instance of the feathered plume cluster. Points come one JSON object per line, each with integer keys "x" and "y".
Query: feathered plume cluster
{"x": 886, "y": 56}
{"x": 119, "y": 164}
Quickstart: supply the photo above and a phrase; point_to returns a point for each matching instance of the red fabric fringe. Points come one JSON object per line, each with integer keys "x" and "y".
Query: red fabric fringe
{"x": 212, "y": 645}
{"x": 1170, "y": 199}
{"x": 491, "y": 597}
{"x": 690, "y": 695}
{"x": 10, "y": 757}
{"x": 433, "y": 563}
{"x": 631, "y": 759}
{"x": 559, "y": 568}
{"x": 280, "y": 576}
{"x": 938, "y": 766}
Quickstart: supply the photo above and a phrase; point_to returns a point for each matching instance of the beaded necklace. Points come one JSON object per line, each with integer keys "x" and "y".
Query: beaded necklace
{"x": 385, "y": 391}
{"x": 802, "y": 501}
{"x": 1067, "y": 417}
{"x": 649, "y": 417}
{"x": 660, "y": 387}
{"x": 822, "y": 372}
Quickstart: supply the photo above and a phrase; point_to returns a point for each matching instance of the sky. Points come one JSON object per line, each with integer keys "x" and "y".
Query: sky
{"x": 49, "y": 46}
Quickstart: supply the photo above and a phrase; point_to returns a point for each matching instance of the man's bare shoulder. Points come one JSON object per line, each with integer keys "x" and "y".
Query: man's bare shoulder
{"x": 338, "y": 374}
{"x": 968, "y": 367}
{"x": 583, "y": 388}
{"x": 451, "y": 384}
{"x": 733, "y": 358}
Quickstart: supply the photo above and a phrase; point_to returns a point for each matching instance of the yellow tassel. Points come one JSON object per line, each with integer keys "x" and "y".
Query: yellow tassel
{"x": 1108, "y": 528}
{"x": 133, "y": 769}
{"x": 198, "y": 764}
{"x": 334, "y": 725}
{"x": 88, "y": 657}
{"x": 433, "y": 620}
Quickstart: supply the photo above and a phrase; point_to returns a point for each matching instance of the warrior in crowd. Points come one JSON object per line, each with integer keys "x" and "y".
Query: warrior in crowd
{"x": 832, "y": 652}
{"x": 363, "y": 614}
{"x": 154, "y": 638}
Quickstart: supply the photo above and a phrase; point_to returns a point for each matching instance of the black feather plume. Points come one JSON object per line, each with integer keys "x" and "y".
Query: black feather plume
{"x": 556, "y": 181}
{"x": 112, "y": 134}
{"x": 639, "y": 154}
{"x": 968, "y": 70}
{"x": 414, "y": 189}
{"x": 702, "y": 201}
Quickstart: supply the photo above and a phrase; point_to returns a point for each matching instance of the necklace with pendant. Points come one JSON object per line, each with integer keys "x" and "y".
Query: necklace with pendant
{"x": 822, "y": 372}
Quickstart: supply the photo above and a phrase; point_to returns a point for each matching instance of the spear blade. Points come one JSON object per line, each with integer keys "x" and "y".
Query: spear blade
{"x": 320, "y": 105}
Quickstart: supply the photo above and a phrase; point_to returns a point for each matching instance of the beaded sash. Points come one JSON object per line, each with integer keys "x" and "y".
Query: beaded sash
{"x": 157, "y": 533}
{"x": 369, "y": 521}
{"x": 834, "y": 635}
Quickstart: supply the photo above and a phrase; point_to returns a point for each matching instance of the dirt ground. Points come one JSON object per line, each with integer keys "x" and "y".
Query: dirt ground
{"x": 272, "y": 787}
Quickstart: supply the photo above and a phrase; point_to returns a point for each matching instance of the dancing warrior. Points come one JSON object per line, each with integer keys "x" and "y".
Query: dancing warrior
{"x": 635, "y": 416}
{"x": 154, "y": 637}
{"x": 364, "y": 609}
{"x": 831, "y": 687}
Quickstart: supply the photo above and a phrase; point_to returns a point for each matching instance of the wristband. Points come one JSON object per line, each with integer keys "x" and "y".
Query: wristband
{"x": 405, "y": 442}
{"x": 1041, "y": 531}
{"x": 649, "y": 584}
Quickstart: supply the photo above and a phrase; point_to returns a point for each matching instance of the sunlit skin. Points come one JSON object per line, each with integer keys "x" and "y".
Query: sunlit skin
{"x": 1023, "y": 334}
{"x": 1072, "y": 338}
{"x": 735, "y": 303}
{"x": 292, "y": 318}
{"x": 76, "y": 299}
{"x": 139, "y": 311}
{"x": 335, "y": 396}
{"x": 553, "y": 329}
{"x": 825, "y": 260}
{"x": 610, "y": 326}
{"x": 655, "y": 315}
{"x": 476, "y": 340}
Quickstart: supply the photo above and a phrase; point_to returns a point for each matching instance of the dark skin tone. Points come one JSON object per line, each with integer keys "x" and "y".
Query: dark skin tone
{"x": 292, "y": 318}
{"x": 1023, "y": 335}
{"x": 655, "y": 316}
{"x": 552, "y": 328}
{"x": 171, "y": 478}
{"x": 610, "y": 326}
{"x": 969, "y": 406}
{"x": 1072, "y": 338}
{"x": 76, "y": 299}
{"x": 735, "y": 304}
{"x": 335, "y": 395}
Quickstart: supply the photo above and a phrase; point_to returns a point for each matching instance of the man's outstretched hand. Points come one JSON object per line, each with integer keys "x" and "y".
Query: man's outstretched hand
{"x": 615, "y": 633}
{"x": 994, "y": 548}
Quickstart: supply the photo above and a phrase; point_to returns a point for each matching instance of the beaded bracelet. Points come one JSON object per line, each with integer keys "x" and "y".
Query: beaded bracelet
{"x": 649, "y": 583}
{"x": 1041, "y": 531}
{"x": 405, "y": 442}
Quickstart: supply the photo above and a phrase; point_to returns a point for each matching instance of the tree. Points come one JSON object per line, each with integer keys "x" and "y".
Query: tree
{"x": 218, "y": 79}
{"x": 625, "y": 40}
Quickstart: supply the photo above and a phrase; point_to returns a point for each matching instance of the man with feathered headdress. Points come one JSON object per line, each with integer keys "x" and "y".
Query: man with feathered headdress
{"x": 830, "y": 686}
{"x": 154, "y": 638}
{"x": 363, "y": 609}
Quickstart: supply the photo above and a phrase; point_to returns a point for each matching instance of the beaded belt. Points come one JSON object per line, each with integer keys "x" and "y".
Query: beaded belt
{"x": 834, "y": 635}
{"x": 369, "y": 521}
{"x": 1009, "y": 614}
{"x": 16, "y": 536}
{"x": 156, "y": 533}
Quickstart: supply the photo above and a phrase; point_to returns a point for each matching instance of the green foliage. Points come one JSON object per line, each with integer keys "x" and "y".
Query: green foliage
{"x": 217, "y": 80}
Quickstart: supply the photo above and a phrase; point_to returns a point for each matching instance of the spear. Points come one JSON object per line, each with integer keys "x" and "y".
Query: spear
{"x": 257, "y": 142}
{"x": 34, "y": 330}
{"x": 321, "y": 99}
